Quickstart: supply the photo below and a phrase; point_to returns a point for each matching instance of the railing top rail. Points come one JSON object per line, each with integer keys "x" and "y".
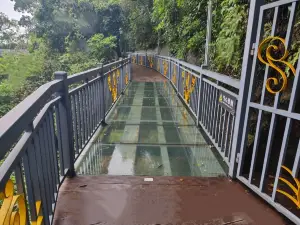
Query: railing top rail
{"x": 13, "y": 124}
{"x": 87, "y": 75}
{"x": 20, "y": 117}
{"x": 217, "y": 76}
{"x": 13, "y": 158}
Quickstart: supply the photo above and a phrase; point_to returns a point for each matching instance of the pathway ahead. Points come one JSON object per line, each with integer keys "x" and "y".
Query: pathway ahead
{"x": 151, "y": 135}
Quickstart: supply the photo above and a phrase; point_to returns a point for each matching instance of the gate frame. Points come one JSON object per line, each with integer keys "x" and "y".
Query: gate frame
{"x": 244, "y": 84}
{"x": 252, "y": 36}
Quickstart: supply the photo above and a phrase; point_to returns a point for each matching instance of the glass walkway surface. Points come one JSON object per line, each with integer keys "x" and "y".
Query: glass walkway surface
{"x": 150, "y": 133}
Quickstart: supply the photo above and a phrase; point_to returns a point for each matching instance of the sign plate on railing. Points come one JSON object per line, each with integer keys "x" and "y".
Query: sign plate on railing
{"x": 227, "y": 101}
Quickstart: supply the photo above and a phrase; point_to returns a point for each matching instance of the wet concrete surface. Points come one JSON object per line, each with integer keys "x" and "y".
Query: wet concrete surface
{"x": 95, "y": 200}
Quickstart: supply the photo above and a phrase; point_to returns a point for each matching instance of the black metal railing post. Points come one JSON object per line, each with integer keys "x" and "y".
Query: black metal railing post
{"x": 66, "y": 125}
{"x": 178, "y": 76}
{"x": 102, "y": 85}
{"x": 199, "y": 100}
{"x": 169, "y": 69}
{"x": 121, "y": 75}
{"x": 130, "y": 67}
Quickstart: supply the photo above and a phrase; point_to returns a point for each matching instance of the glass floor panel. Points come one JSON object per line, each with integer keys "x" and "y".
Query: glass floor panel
{"x": 150, "y": 160}
{"x": 150, "y": 132}
{"x": 137, "y": 114}
{"x": 148, "y": 101}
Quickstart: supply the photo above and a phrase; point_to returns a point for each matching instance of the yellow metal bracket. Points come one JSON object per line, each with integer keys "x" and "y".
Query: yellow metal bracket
{"x": 13, "y": 208}
{"x": 296, "y": 189}
{"x": 270, "y": 47}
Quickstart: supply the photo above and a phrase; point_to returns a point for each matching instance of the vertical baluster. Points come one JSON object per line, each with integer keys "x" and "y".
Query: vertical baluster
{"x": 30, "y": 185}
{"x": 21, "y": 185}
{"x": 226, "y": 113}
{"x": 209, "y": 106}
{"x": 54, "y": 149}
{"x": 231, "y": 138}
{"x": 205, "y": 104}
{"x": 121, "y": 77}
{"x": 89, "y": 109}
{"x": 99, "y": 99}
{"x": 130, "y": 67}
{"x": 46, "y": 168}
{"x": 66, "y": 124}
{"x": 222, "y": 118}
{"x": 215, "y": 107}
{"x": 74, "y": 123}
{"x": 83, "y": 116}
{"x": 85, "y": 103}
{"x": 92, "y": 109}
{"x": 49, "y": 158}
{"x": 42, "y": 180}
{"x": 178, "y": 76}
{"x": 95, "y": 103}
{"x": 59, "y": 141}
{"x": 78, "y": 118}
{"x": 85, "y": 108}
{"x": 200, "y": 94}
{"x": 217, "y": 126}
{"x": 102, "y": 82}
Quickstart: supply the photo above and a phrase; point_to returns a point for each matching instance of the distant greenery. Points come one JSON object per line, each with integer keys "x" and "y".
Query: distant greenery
{"x": 182, "y": 25}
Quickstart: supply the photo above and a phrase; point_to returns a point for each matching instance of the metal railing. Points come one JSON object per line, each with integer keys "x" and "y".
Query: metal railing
{"x": 256, "y": 135}
{"x": 42, "y": 137}
{"x": 200, "y": 89}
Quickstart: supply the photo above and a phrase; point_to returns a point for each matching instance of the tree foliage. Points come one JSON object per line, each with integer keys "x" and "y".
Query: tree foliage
{"x": 102, "y": 47}
{"x": 75, "y": 35}
{"x": 229, "y": 33}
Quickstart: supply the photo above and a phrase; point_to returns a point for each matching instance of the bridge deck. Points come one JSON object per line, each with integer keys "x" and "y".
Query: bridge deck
{"x": 141, "y": 139}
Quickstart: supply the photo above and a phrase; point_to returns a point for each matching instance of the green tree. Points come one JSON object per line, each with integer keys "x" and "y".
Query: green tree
{"x": 101, "y": 47}
{"x": 8, "y": 32}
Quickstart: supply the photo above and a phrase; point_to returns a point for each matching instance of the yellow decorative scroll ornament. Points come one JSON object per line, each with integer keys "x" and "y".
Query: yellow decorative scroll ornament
{"x": 188, "y": 86}
{"x": 158, "y": 65}
{"x": 150, "y": 59}
{"x": 296, "y": 190}
{"x": 13, "y": 208}
{"x": 174, "y": 76}
{"x": 134, "y": 59}
{"x": 126, "y": 78}
{"x": 141, "y": 60}
{"x": 165, "y": 64}
{"x": 112, "y": 81}
{"x": 271, "y": 62}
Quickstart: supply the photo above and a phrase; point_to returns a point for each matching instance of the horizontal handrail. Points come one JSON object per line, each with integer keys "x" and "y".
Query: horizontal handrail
{"x": 13, "y": 124}
{"x": 217, "y": 76}
{"x": 14, "y": 156}
{"x": 89, "y": 74}
{"x": 42, "y": 137}
{"x": 20, "y": 117}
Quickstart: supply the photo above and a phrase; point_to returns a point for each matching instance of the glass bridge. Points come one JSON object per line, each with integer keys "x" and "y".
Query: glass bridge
{"x": 150, "y": 133}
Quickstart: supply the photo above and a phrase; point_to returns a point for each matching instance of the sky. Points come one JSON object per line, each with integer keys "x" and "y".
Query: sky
{"x": 7, "y": 7}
